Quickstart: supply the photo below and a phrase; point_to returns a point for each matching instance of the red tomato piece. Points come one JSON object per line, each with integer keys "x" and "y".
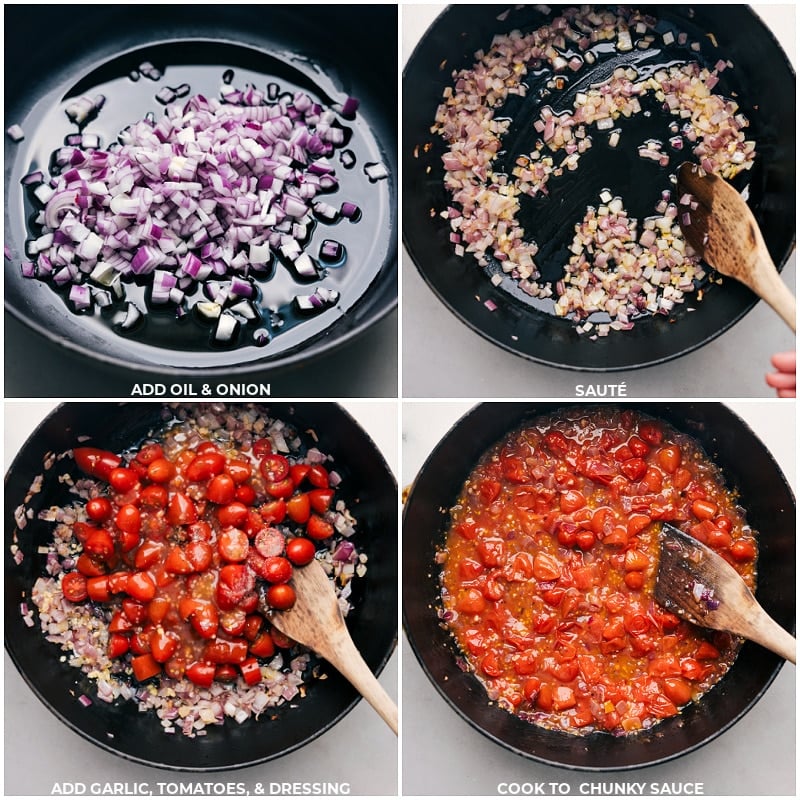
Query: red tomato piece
{"x": 233, "y": 544}
{"x": 251, "y": 671}
{"x": 123, "y": 479}
{"x": 73, "y": 585}
{"x": 205, "y": 465}
{"x": 233, "y": 514}
{"x": 262, "y": 447}
{"x": 95, "y": 462}
{"x": 145, "y": 667}
{"x": 161, "y": 471}
{"x": 201, "y": 673}
{"x": 300, "y": 551}
{"x": 280, "y": 489}
{"x": 263, "y": 646}
{"x": 153, "y": 496}
{"x": 221, "y": 489}
{"x": 277, "y": 569}
{"x": 181, "y": 510}
{"x": 118, "y": 645}
{"x": 129, "y": 519}
{"x": 546, "y": 567}
{"x": 99, "y": 509}
{"x": 149, "y": 453}
{"x": 318, "y": 476}
{"x": 651, "y": 432}
{"x": 163, "y": 645}
{"x": 98, "y": 589}
{"x": 281, "y": 596}
{"x": 634, "y": 469}
{"x": 298, "y": 508}
{"x": 239, "y": 470}
{"x": 99, "y": 544}
{"x": 273, "y": 513}
{"x": 317, "y": 528}
{"x": 274, "y": 467}
{"x": 199, "y": 554}
{"x": 141, "y": 587}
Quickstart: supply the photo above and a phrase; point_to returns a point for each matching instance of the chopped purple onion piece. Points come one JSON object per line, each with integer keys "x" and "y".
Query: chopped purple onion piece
{"x": 15, "y": 133}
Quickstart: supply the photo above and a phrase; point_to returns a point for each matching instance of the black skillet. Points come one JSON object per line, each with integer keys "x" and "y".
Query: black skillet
{"x": 764, "y": 82}
{"x": 746, "y": 465}
{"x": 57, "y": 51}
{"x": 119, "y": 728}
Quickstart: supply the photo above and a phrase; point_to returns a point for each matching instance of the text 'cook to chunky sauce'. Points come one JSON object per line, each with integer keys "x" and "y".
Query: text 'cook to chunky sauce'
{"x": 550, "y": 564}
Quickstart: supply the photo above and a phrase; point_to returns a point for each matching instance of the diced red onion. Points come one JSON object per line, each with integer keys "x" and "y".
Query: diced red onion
{"x": 15, "y": 133}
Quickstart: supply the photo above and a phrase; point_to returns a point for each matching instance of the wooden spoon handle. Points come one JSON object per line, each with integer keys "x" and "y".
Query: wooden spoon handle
{"x": 344, "y": 655}
{"x": 768, "y": 284}
{"x": 762, "y": 629}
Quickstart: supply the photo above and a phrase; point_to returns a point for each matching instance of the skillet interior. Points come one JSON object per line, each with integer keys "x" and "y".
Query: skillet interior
{"x": 745, "y": 463}
{"x": 309, "y": 46}
{"x": 372, "y": 495}
{"x": 762, "y": 77}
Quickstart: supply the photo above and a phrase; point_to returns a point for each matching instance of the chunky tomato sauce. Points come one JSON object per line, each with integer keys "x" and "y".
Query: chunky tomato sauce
{"x": 187, "y": 549}
{"x": 550, "y": 562}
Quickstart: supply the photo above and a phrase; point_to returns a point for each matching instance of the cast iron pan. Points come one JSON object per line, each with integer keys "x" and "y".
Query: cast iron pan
{"x": 119, "y": 727}
{"x": 53, "y": 53}
{"x": 746, "y": 465}
{"x": 764, "y": 83}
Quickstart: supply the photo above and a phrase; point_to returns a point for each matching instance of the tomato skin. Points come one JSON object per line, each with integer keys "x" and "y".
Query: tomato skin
{"x": 634, "y": 469}
{"x": 571, "y": 501}
{"x": 177, "y": 562}
{"x": 556, "y": 443}
{"x": 99, "y": 544}
{"x": 232, "y": 515}
{"x": 263, "y": 646}
{"x": 89, "y": 566}
{"x": 318, "y": 476}
{"x": 145, "y": 667}
{"x": 99, "y": 509}
{"x": 318, "y": 528}
{"x": 638, "y": 447}
{"x": 251, "y": 671}
{"x": 704, "y": 509}
{"x": 225, "y": 652}
{"x": 153, "y": 496}
{"x": 221, "y": 489}
{"x": 98, "y": 589}
{"x": 273, "y": 513}
{"x": 245, "y": 494}
{"x": 262, "y": 447}
{"x": 651, "y": 432}
{"x": 199, "y": 554}
{"x": 161, "y": 471}
{"x": 181, "y": 510}
{"x": 281, "y": 489}
{"x": 205, "y": 466}
{"x": 298, "y": 508}
{"x": 743, "y": 550}
{"x": 141, "y": 587}
{"x": 240, "y": 471}
{"x": 123, "y": 479}
{"x": 118, "y": 645}
{"x": 281, "y": 596}
{"x": 95, "y": 462}
{"x": 73, "y": 585}
{"x": 148, "y": 453}
{"x": 489, "y": 491}
{"x": 321, "y": 499}
{"x": 669, "y": 458}
{"x": 201, "y": 674}
{"x": 129, "y": 519}
{"x": 300, "y": 551}
{"x": 163, "y": 645}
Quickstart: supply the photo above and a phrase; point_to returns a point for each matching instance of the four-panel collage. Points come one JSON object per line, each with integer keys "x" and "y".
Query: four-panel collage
{"x": 399, "y": 400}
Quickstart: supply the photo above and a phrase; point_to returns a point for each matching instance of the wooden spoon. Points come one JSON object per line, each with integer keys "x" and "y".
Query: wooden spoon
{"x": 316, "y": 621}
{"x": 697, "y": 584}
{"x": 724, "y": 232}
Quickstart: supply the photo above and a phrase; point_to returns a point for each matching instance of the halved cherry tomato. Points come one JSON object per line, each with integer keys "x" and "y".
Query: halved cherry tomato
{"x": 263, "y": 646}
{"x": 281, "y": 489}
{"x": 157, "y": 609}
{"x": 98, "y": 589}
{"x": 225, "y": 672}
{"x": 651, "y": 432}
{"x": 89, "y": 566}
{"x": 123, "y": 479}
{"x": 318, "y": 476}
{"x": 99, "y": 509}
{"x": 298, "y": 472}
{"x": 318, "y": 528}
{"x": 177, "y": 562}
{"x": 199, "y": 554}
{"x": 73, "y": 585}
{"x": 145, "y": 667}
{"x": 201, "y": 673}
{"x": 205, "y": 466}
{"x": 240, "y": 471}
{"x": 221, "y": 489}
{"x": 277, "y": 569}
{"x": 161, "y": 471}
{"x": 95, "y": 462}
{"x": 321, "y": 499}
{"x": 182, "y": 510}
{"x": 233, "y": 544}
{"x": 232, "y": 515}
{"x": 274, "y": 467}
{"x": 99, "y": 544}
{"x": 163, "y": 644}
{"x": 153, "y": 496}
{"x": 141, "y": 587}
{"x": 118, "y": 645}
{"x": 245, "y": 494}
{"x": 252, "y": 627}
{"x": 273, "y": 512}
{"x": 704, "y": 509}
{"x": 149, "y": 453}
{"x": 634, "y": 469}
{"x": 743, "y": 550}
{"x": 129, "y": 519}
{"x": 225, "y": 652}
{"x": 298, "y": 508}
